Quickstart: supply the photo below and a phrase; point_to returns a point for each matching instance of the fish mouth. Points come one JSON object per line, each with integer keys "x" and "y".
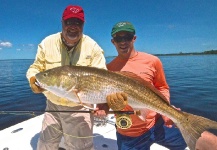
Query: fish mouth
{"x": 39, "y": 84}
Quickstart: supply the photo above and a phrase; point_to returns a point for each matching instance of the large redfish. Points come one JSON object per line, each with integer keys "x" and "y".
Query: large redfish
{"x": 92, "y": 85}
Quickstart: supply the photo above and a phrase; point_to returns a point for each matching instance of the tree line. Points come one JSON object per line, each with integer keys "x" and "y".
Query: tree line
{"x": 208, "y": 52}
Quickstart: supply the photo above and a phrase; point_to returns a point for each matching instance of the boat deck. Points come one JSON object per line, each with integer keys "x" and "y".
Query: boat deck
{"x": 24, "y": 136}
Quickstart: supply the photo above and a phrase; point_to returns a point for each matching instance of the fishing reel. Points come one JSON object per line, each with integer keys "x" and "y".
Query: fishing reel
{"x": 123, "y": 121}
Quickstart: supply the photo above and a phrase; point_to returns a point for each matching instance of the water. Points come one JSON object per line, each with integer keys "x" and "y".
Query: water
{"x": 15, "y": 93}
{"x": 192, "y": 81}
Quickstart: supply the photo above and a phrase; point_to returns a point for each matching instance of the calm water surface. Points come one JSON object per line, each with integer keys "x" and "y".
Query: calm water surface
{"x": 192, "y": 81}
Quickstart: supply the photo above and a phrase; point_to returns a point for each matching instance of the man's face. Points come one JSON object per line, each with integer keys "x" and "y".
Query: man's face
{"x": 72, "y": 30}
{"x": 124, "y": 43}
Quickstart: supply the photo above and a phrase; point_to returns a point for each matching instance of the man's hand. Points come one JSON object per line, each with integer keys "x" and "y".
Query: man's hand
{"x": 207, "y": 141}
{"x": 117, "y": 101}
{"x": 34, "y": 87}
{"x": 100, "y": 114}
{"x": 101, "y": 110}
{"x": 167, "y": 122}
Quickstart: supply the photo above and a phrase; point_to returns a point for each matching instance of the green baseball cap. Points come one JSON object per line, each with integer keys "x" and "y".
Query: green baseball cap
{"x": 123, "y": 26}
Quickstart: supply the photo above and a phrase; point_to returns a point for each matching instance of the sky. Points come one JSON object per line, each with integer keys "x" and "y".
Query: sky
{"x": 162, "y": 26}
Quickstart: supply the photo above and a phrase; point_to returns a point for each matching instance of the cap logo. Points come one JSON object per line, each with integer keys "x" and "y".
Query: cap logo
{"x": 121, "y": 24}
{"x": 74, "y": 10}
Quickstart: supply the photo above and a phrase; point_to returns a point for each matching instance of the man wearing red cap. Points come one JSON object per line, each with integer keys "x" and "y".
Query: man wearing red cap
{"x": 69, "y": 47}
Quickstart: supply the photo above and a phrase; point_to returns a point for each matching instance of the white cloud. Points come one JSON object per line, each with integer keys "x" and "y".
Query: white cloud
{"x": 5, "y": 44}
{"x": 28, "y": 47}
{"x": 31, "y": 45}
{"x": 0, "y": 48}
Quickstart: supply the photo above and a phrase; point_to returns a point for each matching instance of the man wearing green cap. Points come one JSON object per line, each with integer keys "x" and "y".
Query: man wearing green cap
{"x": 150, "y": 127}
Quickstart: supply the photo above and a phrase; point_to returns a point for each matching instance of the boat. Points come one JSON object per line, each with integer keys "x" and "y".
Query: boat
{"x": 24, "y": 135}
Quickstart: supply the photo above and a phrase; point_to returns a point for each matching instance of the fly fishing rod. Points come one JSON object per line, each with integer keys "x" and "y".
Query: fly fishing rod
{"x": 123, "y": 119}
{"x": 65, "y": 111}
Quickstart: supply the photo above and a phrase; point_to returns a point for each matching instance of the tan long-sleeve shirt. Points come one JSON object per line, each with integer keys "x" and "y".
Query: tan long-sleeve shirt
{"x": 53, "y": 53}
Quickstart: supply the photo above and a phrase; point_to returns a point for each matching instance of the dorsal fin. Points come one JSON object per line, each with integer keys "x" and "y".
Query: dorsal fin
{"x": 142, "y": 81}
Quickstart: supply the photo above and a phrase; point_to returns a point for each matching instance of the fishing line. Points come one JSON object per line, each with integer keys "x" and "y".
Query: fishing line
{"x": 80, "y": 137}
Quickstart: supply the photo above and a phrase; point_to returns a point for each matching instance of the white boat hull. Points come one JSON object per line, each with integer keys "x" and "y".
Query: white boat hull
{"x": 24, "y": 136}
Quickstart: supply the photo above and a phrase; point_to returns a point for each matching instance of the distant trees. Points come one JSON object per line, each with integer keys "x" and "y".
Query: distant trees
{"x": 210, "y": 52}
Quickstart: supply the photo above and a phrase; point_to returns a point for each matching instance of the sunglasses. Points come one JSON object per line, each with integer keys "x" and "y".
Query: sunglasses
{"x": 73, "y": 21}
{"x": 125, "y": 38}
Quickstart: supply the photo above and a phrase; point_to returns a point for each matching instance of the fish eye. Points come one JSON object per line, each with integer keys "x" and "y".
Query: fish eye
{"x": 45, "y": 74}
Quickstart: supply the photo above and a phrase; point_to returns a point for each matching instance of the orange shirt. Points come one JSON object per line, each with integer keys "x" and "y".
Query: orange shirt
{"x": 149, "y": 68}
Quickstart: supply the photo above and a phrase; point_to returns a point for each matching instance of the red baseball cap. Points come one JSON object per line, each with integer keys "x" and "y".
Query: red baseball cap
{"x": 73, "y": 12}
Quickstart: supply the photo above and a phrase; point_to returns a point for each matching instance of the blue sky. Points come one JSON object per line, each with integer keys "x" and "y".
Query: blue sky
{"x": 162, "y": 26}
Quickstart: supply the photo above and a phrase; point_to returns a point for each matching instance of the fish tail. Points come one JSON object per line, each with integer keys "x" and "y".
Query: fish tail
{"x": 192, "y": 126}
